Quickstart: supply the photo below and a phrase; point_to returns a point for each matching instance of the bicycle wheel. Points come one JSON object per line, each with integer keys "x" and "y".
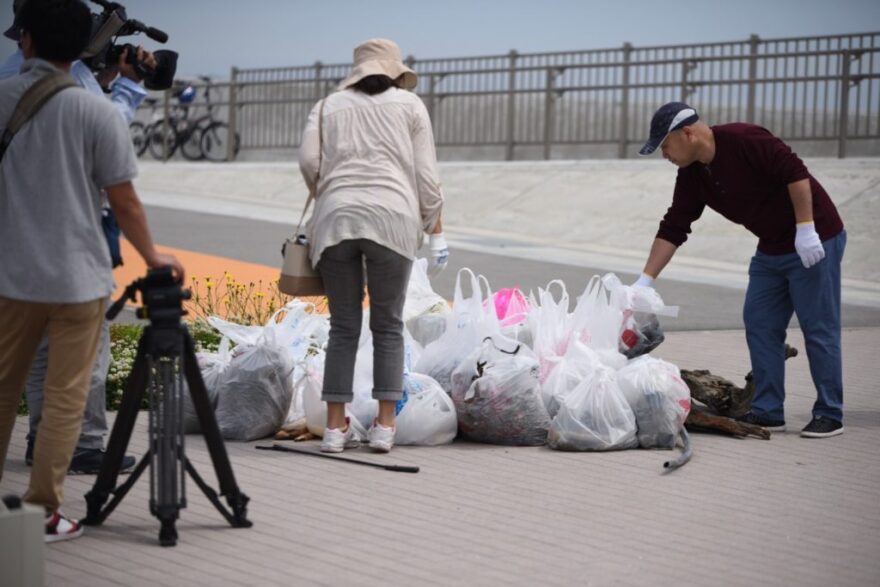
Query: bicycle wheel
{"x": 156, "y": 143}
{"x": 215, "y": 138}
{"x": 191, "y": 147}
{"x": 138, "y": 132}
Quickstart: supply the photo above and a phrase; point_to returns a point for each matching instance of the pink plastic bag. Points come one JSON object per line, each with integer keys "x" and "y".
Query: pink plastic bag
{"x": 511, "y": 306}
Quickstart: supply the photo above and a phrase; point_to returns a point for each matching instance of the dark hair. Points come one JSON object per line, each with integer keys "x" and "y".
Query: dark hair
{"x": 60, "y": 29}
{"x": 374, "y": 84}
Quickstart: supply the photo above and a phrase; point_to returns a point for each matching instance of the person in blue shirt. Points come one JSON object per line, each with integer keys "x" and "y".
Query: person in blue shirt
{"x": 126, "y": 94}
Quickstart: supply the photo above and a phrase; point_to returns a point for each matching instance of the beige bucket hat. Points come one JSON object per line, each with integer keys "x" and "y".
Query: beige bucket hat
{"x": 379, "y": 57}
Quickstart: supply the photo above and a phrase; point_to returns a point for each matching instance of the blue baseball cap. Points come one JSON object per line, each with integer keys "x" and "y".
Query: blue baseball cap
{"x": 669, "y": 117}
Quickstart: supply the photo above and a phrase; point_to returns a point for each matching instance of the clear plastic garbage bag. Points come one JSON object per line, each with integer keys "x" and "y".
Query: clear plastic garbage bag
{"x": 659, "y": 398}
{"x": 497, "y": 395}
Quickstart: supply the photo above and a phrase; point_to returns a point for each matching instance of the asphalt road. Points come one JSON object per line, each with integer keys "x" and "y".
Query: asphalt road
{"x": 702, "y": 307}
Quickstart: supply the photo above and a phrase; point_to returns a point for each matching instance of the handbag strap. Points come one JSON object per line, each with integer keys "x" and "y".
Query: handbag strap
{"x": 312, "y": 191}
{"x": 30, "y": 103}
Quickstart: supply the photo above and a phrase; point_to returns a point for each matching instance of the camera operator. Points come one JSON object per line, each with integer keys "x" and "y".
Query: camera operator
{"x": 126, "y": 91}
{"x": 126, "y": 95}
{"x": 55, "y": 267}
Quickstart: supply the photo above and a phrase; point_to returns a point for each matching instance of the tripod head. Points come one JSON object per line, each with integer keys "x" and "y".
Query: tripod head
{"x": 162, "y": 298}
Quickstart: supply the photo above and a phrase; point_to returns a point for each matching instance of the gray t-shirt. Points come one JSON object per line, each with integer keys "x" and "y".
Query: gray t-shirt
{"x": 52, "y": 247}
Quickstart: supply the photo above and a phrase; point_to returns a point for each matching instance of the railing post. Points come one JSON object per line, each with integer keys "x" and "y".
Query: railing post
{"x": 754, "y": 41}
{"x": 319, "y": 89}
{"x": 233, "y": 113}
{"x": 511, "y": 106}
{"x": 549, "y": 111}
{"x": 624, "y": 103}
{"x": 432, "y": 96}
{"x": 686, "y": 66}
{"x": 843, "y": 107}
{"x": 166, "y": 127}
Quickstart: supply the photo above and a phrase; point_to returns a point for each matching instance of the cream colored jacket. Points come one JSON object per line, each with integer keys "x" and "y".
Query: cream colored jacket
{"x": 378, "y": 177}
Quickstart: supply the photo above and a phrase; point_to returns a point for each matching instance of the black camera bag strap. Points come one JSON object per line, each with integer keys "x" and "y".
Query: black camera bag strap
{"x": 30, "y": 103}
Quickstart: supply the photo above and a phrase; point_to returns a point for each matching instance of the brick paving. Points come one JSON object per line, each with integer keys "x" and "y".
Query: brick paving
{"x": 788, "y": 511}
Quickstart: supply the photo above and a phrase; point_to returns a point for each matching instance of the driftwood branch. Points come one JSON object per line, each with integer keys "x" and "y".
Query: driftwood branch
{"x": 725, "y": 401}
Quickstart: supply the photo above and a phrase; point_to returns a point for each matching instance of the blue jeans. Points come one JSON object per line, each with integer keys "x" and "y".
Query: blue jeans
{"x": 779, "y": 286}
{"x": 387, "y": 275}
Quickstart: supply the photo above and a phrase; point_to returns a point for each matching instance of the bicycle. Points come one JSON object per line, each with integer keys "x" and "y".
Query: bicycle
{"x": 138, "y": 130}
{"x": 202, "y": 138}
{"x": 165, "y": 136}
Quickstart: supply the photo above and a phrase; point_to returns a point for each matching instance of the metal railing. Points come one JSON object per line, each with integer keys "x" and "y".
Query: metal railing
{"x": 802, "y": 89}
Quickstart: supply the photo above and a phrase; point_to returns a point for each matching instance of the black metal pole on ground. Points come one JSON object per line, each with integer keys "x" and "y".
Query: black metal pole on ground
{"x": 394, "y": 468}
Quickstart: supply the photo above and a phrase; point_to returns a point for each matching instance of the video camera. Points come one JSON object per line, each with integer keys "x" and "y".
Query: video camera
{"x": 162, "y": 298}
{"x": 102, "y": 52}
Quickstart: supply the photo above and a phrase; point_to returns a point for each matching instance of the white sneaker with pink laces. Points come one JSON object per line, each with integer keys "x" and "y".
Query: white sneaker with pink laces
{"x": 336, "y": 440}
{"x": 381, "y": 437}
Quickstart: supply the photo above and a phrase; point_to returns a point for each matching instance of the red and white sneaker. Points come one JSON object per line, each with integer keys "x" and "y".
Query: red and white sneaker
{"x": 381, "y": 437}
{"x": 60, "y": 527}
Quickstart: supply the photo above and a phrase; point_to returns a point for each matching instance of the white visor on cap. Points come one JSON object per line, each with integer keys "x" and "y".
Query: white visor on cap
{"x": 680, "y": 117}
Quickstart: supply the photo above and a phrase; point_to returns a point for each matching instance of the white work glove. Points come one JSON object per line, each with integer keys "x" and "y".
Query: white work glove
{"x": 808, "y": 244}
{"x": 439, "y": 254}
{"x": 644, "y": 280}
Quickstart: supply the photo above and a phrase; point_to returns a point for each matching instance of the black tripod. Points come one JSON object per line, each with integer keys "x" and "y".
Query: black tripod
{"x": 165, "y": 357}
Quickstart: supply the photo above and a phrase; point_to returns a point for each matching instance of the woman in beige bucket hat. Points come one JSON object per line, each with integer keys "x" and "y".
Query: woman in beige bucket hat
{"x": 368, "y": 152}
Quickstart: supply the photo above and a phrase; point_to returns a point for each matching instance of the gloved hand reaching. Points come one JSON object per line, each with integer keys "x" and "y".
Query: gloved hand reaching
{"x": 644, "y": 280}
{"x": 808, "y": 244}
{"x": 439, "y": 254}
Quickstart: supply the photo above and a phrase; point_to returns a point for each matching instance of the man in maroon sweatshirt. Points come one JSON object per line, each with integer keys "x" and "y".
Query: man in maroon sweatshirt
{"x": 752, "y": 178}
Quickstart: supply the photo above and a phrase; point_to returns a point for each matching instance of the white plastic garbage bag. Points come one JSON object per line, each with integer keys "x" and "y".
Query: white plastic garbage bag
{"x": 548, "y": 324}
{"x": 640, "y": 329}
{"x": 420, "y": 296}
{"x": 467, "y": 324}
{"x": 212, "y": 367}
{"x": 497, "y": 395}
{"x": 427, "y": 416}
{"x": 594, "y": 417}
{"x": 597, "y": 320}
{"x": 576, "y": 366}
{"x": 426, "y": 328}
{"x": 659, "y": 398}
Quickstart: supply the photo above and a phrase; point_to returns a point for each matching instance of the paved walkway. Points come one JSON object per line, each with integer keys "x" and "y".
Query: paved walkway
{"x": 790, "y": 511}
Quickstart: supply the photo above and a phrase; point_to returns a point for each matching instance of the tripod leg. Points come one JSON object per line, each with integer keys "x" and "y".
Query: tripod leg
{"x": 119, "y": 438}
{"x": 228, "y": 487}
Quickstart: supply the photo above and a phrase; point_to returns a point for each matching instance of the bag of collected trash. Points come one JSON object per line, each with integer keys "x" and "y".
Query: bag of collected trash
{"x": 594, "y": 416}
{"x": 426, "y": 328}
{"x": 659, "y": 398}
{"x": 255, "y": 393}
{"x": 597, "y": 321}
{"x": 497, "y": 395}
{"x": 420, "y": 296}
{"x": 310, "y": 386}
{"x": 363, "y": 406}
{"x": 511, "y": 306}
{"x": 568, "y": 372}
{"x": 466, "y": 326}
{"x": 548, "y": 322}
{"x": 212, "y": 367}
{"x": 639, "y": 305}
{"x": 426, "y": 415}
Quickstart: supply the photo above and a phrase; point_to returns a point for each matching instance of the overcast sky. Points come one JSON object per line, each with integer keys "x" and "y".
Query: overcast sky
{"x": 213, "y": 35}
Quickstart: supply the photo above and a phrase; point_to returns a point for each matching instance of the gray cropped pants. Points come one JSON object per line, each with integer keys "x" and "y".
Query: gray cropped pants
{"x": 387, "y": 275}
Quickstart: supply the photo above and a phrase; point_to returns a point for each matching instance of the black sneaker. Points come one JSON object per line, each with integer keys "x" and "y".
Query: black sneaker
{"x": 29, "y": 452}
{"x": 822, "y": 427}
{"x": 87, "y": 461}
{"x": 771, "y": 425}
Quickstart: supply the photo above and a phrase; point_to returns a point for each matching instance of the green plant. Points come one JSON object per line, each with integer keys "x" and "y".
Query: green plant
{"x": 123, "y": 348}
